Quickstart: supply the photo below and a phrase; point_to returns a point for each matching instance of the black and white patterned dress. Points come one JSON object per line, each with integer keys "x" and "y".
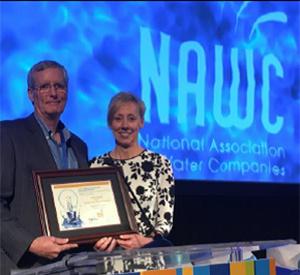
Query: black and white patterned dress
{"x": 150, "y": 177}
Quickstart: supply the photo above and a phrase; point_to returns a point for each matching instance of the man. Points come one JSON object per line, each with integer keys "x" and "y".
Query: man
{"x": 38, "y": 142}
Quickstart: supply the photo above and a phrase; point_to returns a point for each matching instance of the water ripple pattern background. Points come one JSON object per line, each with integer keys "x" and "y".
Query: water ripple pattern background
{"x": 220, "y": 79}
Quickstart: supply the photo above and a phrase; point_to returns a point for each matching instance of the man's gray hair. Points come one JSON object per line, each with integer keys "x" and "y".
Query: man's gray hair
{"x": 43, "y": 65}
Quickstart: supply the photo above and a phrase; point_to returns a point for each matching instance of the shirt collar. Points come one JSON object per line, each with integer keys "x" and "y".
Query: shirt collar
{"x": 46, "y": 130}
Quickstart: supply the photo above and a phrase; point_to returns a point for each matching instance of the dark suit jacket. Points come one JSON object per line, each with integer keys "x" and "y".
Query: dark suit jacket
{"x": 23, "y": 149}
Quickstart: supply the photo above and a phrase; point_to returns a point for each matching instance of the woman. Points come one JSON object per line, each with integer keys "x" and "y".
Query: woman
{"x": 149, "y": 174}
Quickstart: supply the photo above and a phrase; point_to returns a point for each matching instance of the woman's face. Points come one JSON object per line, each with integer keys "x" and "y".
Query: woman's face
{"x": 126, "y": 124}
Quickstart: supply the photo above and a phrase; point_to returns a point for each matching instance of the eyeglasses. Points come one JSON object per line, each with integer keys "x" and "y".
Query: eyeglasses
{"x": 45, "y": 88}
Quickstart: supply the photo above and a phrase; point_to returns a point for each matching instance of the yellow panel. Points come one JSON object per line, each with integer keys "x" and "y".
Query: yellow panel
{"x": 249, "y": 268}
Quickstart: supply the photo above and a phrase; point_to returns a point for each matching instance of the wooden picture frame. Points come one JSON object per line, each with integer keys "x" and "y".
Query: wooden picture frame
{"x": 83, "y": 205}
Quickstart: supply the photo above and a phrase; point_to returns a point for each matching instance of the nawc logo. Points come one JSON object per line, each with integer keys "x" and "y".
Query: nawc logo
{"x": 156, "y": 72}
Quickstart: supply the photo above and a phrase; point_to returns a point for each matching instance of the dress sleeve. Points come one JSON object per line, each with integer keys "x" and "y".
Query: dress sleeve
{"x": 166, "y": 197}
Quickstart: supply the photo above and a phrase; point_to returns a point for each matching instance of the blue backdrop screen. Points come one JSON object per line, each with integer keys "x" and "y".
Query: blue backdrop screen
{"x": 220, "y": 80}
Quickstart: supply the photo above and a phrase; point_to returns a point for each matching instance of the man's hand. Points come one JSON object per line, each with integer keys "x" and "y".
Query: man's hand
{"x": 50, "y": 247}
{"x": 105, "y": 244}
{"x": 133, "y": 241}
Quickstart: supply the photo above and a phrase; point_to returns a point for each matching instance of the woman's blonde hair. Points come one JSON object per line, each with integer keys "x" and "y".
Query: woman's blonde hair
{"x": 119, "y": 99}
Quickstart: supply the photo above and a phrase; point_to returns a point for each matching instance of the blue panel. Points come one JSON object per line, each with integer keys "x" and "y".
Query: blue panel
{"x": 219, "y": 269}
{"x": 262, "y": 267}
{"x": 202, "y": 270}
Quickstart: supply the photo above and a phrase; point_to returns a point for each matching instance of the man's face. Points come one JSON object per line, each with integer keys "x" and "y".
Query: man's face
{"x": 50, "y": 104}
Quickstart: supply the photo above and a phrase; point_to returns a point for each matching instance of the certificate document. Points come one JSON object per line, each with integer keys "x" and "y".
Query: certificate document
{"x": 85, "y": 205}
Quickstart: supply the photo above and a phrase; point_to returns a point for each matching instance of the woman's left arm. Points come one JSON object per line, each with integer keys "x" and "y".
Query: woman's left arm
{"x": 166, "y": 198}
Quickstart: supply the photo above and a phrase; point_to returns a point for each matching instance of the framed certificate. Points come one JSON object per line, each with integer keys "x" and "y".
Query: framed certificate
{"x": 83, "y": 204}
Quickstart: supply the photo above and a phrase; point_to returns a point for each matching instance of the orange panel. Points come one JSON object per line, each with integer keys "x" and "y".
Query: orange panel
{"x": 159, "y": 272}
{"x": 187, "y": 271}
{"x": 272, "y": 267}
{"x": 238, "y": 268}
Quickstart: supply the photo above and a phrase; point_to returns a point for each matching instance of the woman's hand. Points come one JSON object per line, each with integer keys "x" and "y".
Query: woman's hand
{"x": 105, "y": 244}
{"x": 133, "y": 241}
